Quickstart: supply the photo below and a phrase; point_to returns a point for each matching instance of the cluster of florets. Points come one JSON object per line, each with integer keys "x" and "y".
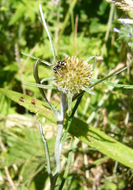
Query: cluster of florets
{"x": 72, "y": 75}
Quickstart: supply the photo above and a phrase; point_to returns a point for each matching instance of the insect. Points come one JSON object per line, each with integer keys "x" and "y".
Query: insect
{"x": 59, "y": 66}
{"x": 21, "y": 99}
{"x": 33, "y": 101}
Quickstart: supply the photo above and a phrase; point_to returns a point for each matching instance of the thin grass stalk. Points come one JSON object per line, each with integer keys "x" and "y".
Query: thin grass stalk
{"x": 71, "y": 7}
{"x": 108, "y": 27}
{"x": 47, "y": 31}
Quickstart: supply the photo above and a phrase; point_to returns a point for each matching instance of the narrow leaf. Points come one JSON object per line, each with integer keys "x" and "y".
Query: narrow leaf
{"x": 118, "y": 85}
{"x": 41, "y": 85}
{"x": 33, "y": 57}
{"x": 30, "y": 103}
{"x": 102, "y": 142}
{"x": 91, "y": 57}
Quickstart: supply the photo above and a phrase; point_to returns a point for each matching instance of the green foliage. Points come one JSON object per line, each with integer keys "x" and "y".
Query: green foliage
{"x": 103, "y": 121}
{"x": 101, "y": 142}
{"x": 25, "y": 151}
{"x": 29, "y": 103}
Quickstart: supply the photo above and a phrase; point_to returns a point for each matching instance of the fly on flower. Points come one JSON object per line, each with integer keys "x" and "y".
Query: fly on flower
{"x": 59, "y": 66}
{"x": 72, "y": 75}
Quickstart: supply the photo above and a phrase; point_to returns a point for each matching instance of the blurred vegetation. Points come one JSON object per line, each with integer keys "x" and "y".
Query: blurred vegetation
{"x": 81, "y": 28}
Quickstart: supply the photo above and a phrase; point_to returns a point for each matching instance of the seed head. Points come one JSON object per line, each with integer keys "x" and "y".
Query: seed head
{"x": 72, "y": 75}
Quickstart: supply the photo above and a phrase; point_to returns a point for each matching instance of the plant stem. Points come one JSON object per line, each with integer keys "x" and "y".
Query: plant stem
{"x": 67, "y": 166}
{"x": 45, "y": 149}
{"x": 53, "y": 178}
{"x": 60, "y": 121}
{"x": 53, "y": 181}
{"x": 70, "y": 118}
{"x": 58, "y": 147}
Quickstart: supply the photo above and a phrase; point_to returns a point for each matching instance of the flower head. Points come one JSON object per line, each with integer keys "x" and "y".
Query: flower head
{"x": 72, "y": 75}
